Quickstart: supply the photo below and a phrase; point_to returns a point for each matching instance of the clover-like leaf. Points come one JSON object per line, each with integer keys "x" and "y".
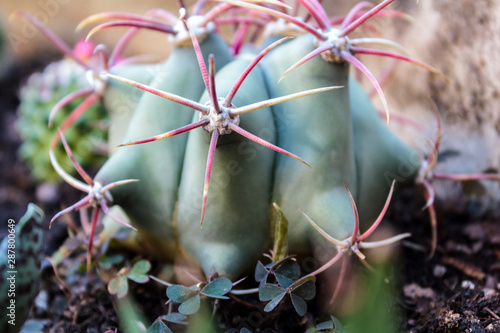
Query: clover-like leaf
{"x": 158, "y": 327}
{"x": 326, "y": 326}
{"x": 118, "y": 286}
{"x": 287, "y": 273}
{"x": 141, "y": 267}
{"x": 106, "y": 262}
{"x": 333, "y": 326}
{"x": 306, "y": 289}
{"x": 175, "y": 317}
{"x": 269, "y": 291}
{"x": 180, "y": 294}
{"x": 299, "y": 304}
{"x": 190, "y": 306}
{"x": 217, "y": 288}
{"x": 274, "y": 302}
{"x": 139, "y": 270}
{"x": 283, "y": 281}
{"x": 260, "y": 272}
{"x": 290, "y": 269}
{"x": 139, "y": 278}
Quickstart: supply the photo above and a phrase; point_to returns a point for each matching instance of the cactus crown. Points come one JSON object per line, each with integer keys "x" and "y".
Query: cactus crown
{"x": 219, "y": 116}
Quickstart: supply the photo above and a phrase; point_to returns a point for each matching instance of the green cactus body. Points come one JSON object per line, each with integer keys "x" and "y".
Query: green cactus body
{"x": 20, "y": 281}
{"x": 150, "y": 202}
{"x": 121, "y": 99}
{"x": 381, "y": 157}
{"x": 236, "y": 225}
{"x": 318, "y": 129}
{"x": 38, "y": 96}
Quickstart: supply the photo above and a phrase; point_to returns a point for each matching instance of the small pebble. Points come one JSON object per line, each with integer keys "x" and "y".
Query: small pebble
{"x": 489, "y": 292}
{"x": 42, "y": 301}
{"x": 47, "y": 193}
{"x": 491, "y": 282}
{"x": 439, "y": 271}
{"x": 466, "y": 284}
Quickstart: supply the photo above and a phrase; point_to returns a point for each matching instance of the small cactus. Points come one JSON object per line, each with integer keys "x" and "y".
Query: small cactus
{"x": 38, "y": 96}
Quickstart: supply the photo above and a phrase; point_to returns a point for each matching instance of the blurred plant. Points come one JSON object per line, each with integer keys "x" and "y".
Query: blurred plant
{"x": 119, "y": 285}
{"x": 20, "y": 258}
{"x": 87, "y": 138}
{"x": 189, "y": 297}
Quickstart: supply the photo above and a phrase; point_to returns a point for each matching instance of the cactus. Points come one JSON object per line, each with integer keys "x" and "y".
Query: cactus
{"x": 81, "y": 96}
{"x": 38, "y": 96}
{"x": 262, "y": 117}
{"x": 154, "y": 116}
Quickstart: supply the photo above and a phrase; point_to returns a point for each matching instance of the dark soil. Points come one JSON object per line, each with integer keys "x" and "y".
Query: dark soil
{"x": 456, "y": 291}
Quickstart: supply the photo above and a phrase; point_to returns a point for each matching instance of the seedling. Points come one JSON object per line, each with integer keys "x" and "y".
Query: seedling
{"x": 189, "y": 297}
{"x": 138, "y": 273}
{"x": 299, "y": 291}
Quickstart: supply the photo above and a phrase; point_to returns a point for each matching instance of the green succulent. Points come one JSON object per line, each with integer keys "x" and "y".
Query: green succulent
{"x": 37, "y": 98}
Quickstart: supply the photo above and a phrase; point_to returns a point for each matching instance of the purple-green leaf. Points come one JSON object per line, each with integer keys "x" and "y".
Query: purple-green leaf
{"x": 290, "y": 269}
{"x": 269, "y": 291}
{"x": 176, "y": 318}
{"x": 306, "y": 290}
{"x": 299, "y": 304}
{"x": 179, "y": 294}
{"x": 118, "y": 286}
{"x": 158, "y": 327}
{"x": 106, "y": 262}
{"x": 141, "y": 267}
{"x": 274, "y": 302}
{"x": 283, "y": 281}
{"x": 260, "y": 272}
{"x": 217, "y": 288}
{"x": 139, "y": 278}
{"x": 190, "y": 306}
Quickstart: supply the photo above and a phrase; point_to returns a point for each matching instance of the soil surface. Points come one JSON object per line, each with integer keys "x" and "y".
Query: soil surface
{"x": 455, "y": 291}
